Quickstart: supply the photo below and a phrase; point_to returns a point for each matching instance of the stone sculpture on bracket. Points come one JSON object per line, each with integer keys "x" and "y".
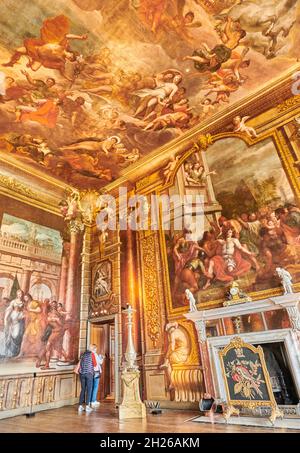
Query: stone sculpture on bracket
{"x": 191, "y": 300}
{"x": 286, "y": 280}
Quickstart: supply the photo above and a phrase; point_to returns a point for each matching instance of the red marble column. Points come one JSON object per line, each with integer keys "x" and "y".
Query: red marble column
{"x": 229, "y": 327}
{"x": 256, "y": 322}
{"x": 25, "y": 282}
{"x": 72, "y": 302}
{"x": 204, "y": 355}
{"x": 64, "y": 273}
{"x": 206, "y": 366}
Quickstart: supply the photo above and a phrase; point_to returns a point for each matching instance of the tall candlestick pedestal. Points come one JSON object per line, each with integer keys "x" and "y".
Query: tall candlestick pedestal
{"x": 131, "y": 406}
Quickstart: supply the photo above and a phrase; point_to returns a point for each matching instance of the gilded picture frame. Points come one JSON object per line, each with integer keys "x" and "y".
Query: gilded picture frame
{"x": 287, "y": 158}
{"x": 102, "y": 300}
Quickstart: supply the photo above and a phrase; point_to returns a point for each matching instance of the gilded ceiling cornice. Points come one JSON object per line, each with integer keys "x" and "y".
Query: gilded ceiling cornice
{"x": 23, "y": 183}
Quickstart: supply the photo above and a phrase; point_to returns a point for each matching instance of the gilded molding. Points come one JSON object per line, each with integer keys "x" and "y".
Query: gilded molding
{"x": 51, "y": 381}
{"x": 11, "y": 187}
{"x": 288, "y": 161}
{"x": 12, "y": 184}
{"x": 2, "y": 393}
{"x": 201, "y": 144}
{"x": 76, "y": 226}
{"x": 151, "y": 288}
{"x": 143, "y": 182}
{"x": 288, "y": 103}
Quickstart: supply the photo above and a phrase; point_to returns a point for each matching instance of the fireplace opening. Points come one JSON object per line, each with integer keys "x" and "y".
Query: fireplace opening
{"x": 283, "y": 386}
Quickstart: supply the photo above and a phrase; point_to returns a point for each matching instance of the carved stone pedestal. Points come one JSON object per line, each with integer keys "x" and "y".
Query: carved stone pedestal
{"x": 131, "y": 406}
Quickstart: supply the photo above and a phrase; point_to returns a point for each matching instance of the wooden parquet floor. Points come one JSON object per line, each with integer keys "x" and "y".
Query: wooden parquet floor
{"x": 105, "y": 420}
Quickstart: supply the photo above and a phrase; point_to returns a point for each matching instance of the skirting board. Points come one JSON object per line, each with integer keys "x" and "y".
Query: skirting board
{"x": 166, "y": 404}
{"x": 261, "y": 422}
{"x": 38, "y": 408}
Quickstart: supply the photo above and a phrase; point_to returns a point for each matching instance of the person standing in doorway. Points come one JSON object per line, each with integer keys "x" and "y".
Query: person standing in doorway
{"x": 97, "y": 375}
{"x": 85, "y": 369}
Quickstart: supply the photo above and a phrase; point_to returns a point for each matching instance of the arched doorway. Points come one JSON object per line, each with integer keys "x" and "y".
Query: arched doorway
{"x": 40, "y": 291}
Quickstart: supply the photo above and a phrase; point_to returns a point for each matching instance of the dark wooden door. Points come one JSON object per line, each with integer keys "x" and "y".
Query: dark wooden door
{"x": 101, "y": 335}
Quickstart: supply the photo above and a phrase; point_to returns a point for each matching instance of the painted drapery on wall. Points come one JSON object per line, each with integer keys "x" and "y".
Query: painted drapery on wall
{"x": 253, "y": 225}
{"x": 88, "y": 87}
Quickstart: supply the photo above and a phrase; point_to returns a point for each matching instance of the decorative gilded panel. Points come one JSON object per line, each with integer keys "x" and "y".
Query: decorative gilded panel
{"x": 151, "y": 287}
{"x": 23, "y": 394}
{"x": 103, "y": 300}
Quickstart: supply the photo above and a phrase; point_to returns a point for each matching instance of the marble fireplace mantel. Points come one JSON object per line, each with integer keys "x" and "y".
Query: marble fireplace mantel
{"x": 290, "y": 302}
{"x": 210, "y": 346}
{"x": 285, "y": 336}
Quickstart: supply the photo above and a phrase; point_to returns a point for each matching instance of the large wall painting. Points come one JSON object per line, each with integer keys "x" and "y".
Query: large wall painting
{"x": 88, "y": 87}
{"x": 33, "y": 322}
{"x": 20, "y": 230}
{"x": 252, "y": 225}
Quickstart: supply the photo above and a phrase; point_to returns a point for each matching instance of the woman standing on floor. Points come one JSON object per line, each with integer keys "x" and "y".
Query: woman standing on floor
{"x": 97, "y": 375}
{"x": 85, "y": 368}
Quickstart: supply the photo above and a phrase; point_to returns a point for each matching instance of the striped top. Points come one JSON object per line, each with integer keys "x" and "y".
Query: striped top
{"x": 87, "y": 363}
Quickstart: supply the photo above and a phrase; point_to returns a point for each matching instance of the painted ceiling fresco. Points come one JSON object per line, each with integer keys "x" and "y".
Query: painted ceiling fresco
{"x": 87, "y": 87}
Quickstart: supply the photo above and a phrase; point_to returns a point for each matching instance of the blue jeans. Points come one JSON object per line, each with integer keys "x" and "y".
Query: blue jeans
{"x": 86, "y": 388}
{"x": 96, "y": 381}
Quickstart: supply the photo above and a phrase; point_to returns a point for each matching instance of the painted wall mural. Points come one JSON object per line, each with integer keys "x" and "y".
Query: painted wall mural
{"x": 87, "y": 87}
{"x": 16, "y": 229}
{"x": 252, "y": 224}
{"x": 33, "y": 321}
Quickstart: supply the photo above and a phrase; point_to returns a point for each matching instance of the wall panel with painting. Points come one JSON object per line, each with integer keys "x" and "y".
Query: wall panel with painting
{"x": 34, "y": 320}
{"x": 251, "y": 222}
